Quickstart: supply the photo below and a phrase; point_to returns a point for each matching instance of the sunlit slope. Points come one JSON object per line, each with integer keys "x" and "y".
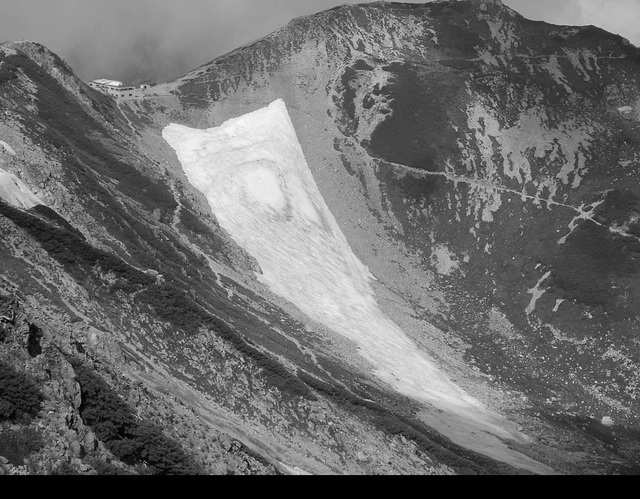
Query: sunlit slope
{"x": 15, "y": 192}
{"x": 253, "y": 172}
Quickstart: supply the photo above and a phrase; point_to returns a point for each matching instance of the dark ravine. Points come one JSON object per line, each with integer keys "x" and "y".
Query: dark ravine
{"x": 479, "y": 164}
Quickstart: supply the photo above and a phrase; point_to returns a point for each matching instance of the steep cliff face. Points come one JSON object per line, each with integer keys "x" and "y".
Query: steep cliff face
{"x": 481, "y": 166}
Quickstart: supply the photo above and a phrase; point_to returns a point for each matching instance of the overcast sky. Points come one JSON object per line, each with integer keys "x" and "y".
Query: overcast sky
{"x": 134, "y": 40}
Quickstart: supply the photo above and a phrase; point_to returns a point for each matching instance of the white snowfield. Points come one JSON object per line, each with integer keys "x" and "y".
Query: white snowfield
{"x": 16, "y": 193}
{"x": 254, "y": 174}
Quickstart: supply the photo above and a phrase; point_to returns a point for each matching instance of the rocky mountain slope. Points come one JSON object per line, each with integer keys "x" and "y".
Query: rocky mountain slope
{"x": 480, "y": 165}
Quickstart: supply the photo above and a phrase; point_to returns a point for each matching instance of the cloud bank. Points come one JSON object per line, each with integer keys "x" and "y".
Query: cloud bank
{"x": 136, "y": 40}
{"x": 160, "y": 40}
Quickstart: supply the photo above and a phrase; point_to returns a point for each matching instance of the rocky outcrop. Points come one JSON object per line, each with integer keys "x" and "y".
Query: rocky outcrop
{"x": 60, "y": 71}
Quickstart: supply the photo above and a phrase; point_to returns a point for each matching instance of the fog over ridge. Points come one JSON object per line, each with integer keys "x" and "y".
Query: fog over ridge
{"x": 160, "y": 40}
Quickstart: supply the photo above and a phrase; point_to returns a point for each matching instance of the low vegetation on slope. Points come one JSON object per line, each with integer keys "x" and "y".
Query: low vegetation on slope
{"x": 133, "y": 441}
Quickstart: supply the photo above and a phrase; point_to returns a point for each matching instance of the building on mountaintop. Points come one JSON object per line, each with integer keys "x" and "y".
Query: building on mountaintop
{"x": 118, "y": 90}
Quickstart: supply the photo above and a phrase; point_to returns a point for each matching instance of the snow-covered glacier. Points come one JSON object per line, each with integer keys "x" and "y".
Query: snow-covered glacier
{"x": 254, "y": 174}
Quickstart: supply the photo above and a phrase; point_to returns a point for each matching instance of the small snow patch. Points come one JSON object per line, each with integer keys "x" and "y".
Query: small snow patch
{"x": 9, "y": 150}
{"x": 537, "y": 292}
{"x": 444, "y": 260}
{"x": 607, "y": 421}
{"x": 7, "y": 50}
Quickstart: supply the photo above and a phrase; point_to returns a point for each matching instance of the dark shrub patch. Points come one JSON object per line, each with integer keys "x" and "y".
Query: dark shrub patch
{"x": 33, "y": 341}
{"x": 131, "y": 440}
{"x": 174, "y": 305}
{"x": 10, "y": 66}
{"x": 593, "y": 255}
{"x": 418, "y": 132}
{"x": 72, "y": 251}
{"x": 20, "y": 398}
{"x": 53, "y": 216}
{"x": 193, "y": 223}
{"x": 362, "y": 65}
{"x": 18, "y": 445}
{"x": 449, "y": 8}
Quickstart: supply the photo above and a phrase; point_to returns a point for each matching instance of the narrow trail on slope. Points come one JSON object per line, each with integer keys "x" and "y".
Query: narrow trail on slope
{"x": 124, "y": 114}
{"x": 488, "y": 185}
